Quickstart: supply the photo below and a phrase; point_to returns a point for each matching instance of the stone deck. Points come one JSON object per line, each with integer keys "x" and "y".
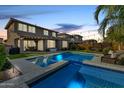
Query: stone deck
{"x": 97, "y": 62}
{"x": 24, "y": 66}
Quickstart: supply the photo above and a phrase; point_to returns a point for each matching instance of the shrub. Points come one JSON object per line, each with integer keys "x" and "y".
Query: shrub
{"x": 85, "y": 46}
{"x": 6, "y": 65}
{"x": 2, "y": 56}
{"x": 121, "y": 61}
{"x": 106, "y": 50}
{"x": 74, "y": 47}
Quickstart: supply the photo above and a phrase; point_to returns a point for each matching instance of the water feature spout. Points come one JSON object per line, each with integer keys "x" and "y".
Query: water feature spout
{"x": 45, "y": 60}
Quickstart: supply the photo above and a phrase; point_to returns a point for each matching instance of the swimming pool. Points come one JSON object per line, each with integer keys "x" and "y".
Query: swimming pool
{"x": 66, "y": 77}
{"x": 72, "y": 57}
{"x": 81, "y": 76}
{"x": 78, "y": 75}
{"x": 79, "y": 57}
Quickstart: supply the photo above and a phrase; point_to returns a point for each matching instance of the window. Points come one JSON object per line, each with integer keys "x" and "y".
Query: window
{"x": 45, "y": 32}
{"x": 76, "y": 37}
{"x": 50, "y": 43}
{"x": 31, "y": 29}
{"x": 53, "y": 34}
{"x": 61, "y": 36}
{"x": 22, "y": 27}
{"x": 64, "y": 44}
{"x": 29, "y": 45}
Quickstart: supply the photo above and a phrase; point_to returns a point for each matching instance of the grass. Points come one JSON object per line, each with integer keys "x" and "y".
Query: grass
{"x": 23, "y": 55}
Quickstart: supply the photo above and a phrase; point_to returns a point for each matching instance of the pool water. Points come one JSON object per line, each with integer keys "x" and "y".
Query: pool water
{"x": 66, "y": 77}
{"x": 59, "y": 57}
{"x": 57, "y": 80}
{"x": 76, "y": 75}
{"x": 72, "y": 57}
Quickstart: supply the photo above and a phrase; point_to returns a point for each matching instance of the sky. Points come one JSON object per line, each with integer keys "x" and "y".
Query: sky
{"x": 60, "y": 18}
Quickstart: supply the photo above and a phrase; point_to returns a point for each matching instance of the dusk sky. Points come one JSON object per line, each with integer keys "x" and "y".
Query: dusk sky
{"x": 60, "y": 18}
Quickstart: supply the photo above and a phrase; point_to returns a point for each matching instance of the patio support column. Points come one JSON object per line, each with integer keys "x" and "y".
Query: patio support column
{"x": 59, "y": 44}
{"x": 21, "y": 45}
{"x": 45, "y": 44}
{"x": 36, "y": 42}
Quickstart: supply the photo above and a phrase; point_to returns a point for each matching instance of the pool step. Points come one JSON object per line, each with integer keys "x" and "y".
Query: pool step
{"x": 60, "y": 79}
{"x": 102, "y": 75}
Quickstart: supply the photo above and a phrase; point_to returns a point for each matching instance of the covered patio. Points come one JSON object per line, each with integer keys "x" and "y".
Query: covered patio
{"x": 29, "y": 43}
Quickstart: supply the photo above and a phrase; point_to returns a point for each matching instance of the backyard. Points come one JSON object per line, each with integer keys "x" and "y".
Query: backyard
{"x": 88, "y": 63}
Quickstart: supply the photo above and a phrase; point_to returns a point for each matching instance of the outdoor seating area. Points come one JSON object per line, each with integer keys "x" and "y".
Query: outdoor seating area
{"x": 108, "y": 59}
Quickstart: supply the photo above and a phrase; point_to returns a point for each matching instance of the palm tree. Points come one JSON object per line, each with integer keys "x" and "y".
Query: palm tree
{"x": 115, "y": 36}
{"x": 113, "y": 15}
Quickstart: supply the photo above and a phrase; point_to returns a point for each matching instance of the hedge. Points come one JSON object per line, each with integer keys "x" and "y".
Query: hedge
{"x": 2, "y": 56}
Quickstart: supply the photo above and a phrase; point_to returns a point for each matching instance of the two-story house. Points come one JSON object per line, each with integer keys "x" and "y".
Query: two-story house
{"x": 76, "y": 39}
{"x": 71, "y": 38}
{"x": 29, "y": 37}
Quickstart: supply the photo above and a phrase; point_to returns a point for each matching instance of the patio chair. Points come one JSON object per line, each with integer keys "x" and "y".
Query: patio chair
{"x": 108, "y": 59}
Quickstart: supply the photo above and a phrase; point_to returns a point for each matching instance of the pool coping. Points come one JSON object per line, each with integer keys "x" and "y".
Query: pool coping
{"x": 96, "y": 61}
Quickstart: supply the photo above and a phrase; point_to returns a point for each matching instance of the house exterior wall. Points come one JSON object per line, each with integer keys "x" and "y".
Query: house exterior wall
{"x": 14, "y": 34}
{"x": 11, "y": 35}
{"x": 39, "y": 32}
{"x": 89, "y": 34}
{"x": 71, "y": 38}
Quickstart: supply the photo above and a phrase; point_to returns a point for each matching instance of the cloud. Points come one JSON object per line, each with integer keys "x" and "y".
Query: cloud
{"x": 20, "y": 11}
{"x": 68, "y": 27}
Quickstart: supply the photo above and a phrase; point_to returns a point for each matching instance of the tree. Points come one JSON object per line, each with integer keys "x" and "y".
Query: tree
{"x": 115, "y": 36}
{"x": 113, "y": 15}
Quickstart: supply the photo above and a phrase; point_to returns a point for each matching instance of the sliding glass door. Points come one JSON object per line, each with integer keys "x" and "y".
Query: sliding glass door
{"x": 29, "y": 45}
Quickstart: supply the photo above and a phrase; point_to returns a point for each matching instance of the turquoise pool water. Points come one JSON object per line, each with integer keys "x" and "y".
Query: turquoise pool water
{"x": 81, "y": 76}
{"x": 66, "y": 77}
{"x": 63, "y": 56}
{"x": 72, "y": 57}
{"x": 78, "y": 75}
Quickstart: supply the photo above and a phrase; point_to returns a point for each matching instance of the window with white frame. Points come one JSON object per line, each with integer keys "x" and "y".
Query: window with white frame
{"x": 51, "y": 44}
{"x": 31, "y": 29}
{"x": 45, "y": 32}
{"x": 29, "y": 44}
{"x": 64, "y": 44}
{"x": 53, "y": 34}
{"x": 22, "y": 27}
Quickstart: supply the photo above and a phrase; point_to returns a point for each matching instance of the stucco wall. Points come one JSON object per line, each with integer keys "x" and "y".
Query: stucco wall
{"x": 11, "y": 35}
